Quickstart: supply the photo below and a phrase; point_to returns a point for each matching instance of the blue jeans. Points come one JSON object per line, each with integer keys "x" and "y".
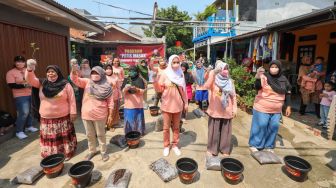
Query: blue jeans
{"x": 23, "y": 113}
{"x": 324, "y": 110}
{"x": 264, "y": 130}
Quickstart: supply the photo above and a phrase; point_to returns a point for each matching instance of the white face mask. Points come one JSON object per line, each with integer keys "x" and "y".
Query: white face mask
{"x": 274, "y": 70}
{"x": 108, "y": 72}
{"x": 95, "y": 78}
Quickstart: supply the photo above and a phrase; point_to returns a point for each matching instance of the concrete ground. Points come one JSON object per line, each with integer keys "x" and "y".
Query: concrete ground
{"x": 16, "y": 156}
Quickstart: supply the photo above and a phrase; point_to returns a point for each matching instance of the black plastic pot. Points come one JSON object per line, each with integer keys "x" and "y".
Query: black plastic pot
{"x": 297, "y": 168}
{"x": 232, "y": 170}
{"x": 81, "y": 173}
{"x": 53, "y": 165}
{"x": 133, "y": 139}
{"x": 154, "y": 110}
{"x": 186, "y": 168}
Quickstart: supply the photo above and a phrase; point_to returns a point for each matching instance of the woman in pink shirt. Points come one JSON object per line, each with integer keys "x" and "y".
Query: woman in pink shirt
{"x": 174, "y": 101}
{"x": 113, "y": 80}
{"x": 222, "y": 109}
{"x": 22, "y": 95}
{"x": 97, "y": 107}
{"x": 118, "y": 70}
{"x": 273, "y": 91}
{"x": 156, "y": 76}
{"x": 133, "y": 89}
{"x": 57, "y": 110}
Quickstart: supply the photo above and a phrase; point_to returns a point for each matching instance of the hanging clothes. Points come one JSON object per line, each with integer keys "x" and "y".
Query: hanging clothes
{"x": 275, "y": 45}
{"x": 250, "y": 50}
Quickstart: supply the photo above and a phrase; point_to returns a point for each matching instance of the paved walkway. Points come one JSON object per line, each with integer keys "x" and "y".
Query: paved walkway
{"x": 16, "y": 156}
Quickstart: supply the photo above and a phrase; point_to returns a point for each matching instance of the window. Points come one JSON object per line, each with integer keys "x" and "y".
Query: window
{"x": 305, "y": 50}
{"x": 308, "y": 38}
{"x": 248, "y": 10}
{"x": 333, "y": 34}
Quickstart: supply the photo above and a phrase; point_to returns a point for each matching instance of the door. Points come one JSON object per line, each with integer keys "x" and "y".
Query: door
{"x": 302, "y": 51}
{"x": 331, "y": 59}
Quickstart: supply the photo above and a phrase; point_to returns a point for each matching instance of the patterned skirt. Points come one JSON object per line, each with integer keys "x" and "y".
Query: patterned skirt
{"x": 57, "y": 136}
{"x": 134, "y": 120}
{"x": 115, "y": 115}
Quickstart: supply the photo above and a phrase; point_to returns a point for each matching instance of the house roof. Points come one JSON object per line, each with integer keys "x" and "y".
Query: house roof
{"x": 116, "y": 27}
{"x": 54, "y": 12}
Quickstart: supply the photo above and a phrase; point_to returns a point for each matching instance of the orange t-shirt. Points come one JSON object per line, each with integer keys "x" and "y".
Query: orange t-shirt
{"x": 113, "y": 80}
{"x": 133, "y": 101}
{"x": 14, "y": 76}
{"x": 268, "y": 101}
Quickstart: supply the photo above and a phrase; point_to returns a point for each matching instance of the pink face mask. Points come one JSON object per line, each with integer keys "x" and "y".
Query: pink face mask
{"x": 95, "y": 78}
{"x": 108, "y": 72}
{"x": 225, "y": 73}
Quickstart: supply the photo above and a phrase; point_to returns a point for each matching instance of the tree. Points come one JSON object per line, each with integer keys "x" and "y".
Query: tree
{"x": 208, "y": 11}
{"x": 173, "y": 33}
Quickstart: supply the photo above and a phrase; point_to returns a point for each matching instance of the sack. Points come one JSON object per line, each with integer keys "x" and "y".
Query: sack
{"x": 118, "y": 179}
{"x": 164, "y": 170}
{"x": 266, "y": 157}
{"x": 6, "y": 119}
{"x": 119, "y": 140}
{"x": 159, "y": 124}
{"x": 213, "y": 163}
{"x": 28, "y": 176}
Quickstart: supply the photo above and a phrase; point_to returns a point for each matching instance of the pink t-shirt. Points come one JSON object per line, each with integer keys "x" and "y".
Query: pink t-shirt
{"x": 216, "y": 109}
{"x": 171, "y": 99}
{"x": 159, "y": 72}
{"x": 92, "y": 108}
{"x": 133, "y": 101}
{"x": 113, "y": 80}
{"x": 61, "y": 105}
{"x": 119, "y": 72}
{"x": 326, "y": 101}
{"x": 16, "y": 76}
{"x": 268, "y": 101}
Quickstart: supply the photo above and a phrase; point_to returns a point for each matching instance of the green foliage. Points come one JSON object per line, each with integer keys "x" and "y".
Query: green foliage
{"x": 173, "y": 33}
{"x": 174, "y": 50}
{"x": 244, "y": 83}
{"x": 208, "y": 11}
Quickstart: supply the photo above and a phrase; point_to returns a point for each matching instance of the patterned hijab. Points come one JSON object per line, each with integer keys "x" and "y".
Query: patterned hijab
{"x": 100, "y": 89}
{"x": 224, "y": 83}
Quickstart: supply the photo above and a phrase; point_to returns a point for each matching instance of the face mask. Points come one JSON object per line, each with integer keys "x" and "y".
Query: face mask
{"x": 133, "y": 74}
{"x": 274, "y": 71}
{"x": 108, "y": 72}
{"x": 95, "y": 78}
{"x": 53, "y": 79}
{"x": 225, "y": 73}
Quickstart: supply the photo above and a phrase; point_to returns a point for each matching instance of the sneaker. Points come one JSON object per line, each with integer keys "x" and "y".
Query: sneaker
{"x": 177, "y": 151}
{"x": 32, "y": 129}
{"x": 253, "y": 149}
{"x": 105, "y": 157}
{"x": 269, "y": 150}
{"x": 183, "y": 119}
{"x": 21, "y": 135}
{"x": 166, "y": 151}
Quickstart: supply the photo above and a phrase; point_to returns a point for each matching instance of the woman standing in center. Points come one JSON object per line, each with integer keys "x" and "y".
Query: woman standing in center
{"x": 113, "y": 80}
{"x": 174, "y": 101}
{"x": 97, "y": 107}
{"x": 222, "y": 109}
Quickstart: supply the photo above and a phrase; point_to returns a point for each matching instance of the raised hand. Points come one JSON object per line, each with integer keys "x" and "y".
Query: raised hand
{"x": 31, "y": 64}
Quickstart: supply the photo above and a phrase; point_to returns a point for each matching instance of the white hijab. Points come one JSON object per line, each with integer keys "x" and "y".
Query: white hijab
{"x": 175, "y": 76}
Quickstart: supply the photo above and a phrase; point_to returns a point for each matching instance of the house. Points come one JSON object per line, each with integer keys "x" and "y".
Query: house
{"x": 252, "y": 15}
{"x": 43, "y": 22}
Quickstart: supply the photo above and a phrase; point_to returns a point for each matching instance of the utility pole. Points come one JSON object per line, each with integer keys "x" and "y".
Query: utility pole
{"x": 154, "y": 17}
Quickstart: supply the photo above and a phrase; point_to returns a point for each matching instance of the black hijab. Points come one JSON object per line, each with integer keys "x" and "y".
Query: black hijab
{"x": 107, "y": 66}
{"x": 187, "y": 76}
{"x": 51, "y": 89}
{"x": 134, "y": 80}
{"x": 279, "y": 82}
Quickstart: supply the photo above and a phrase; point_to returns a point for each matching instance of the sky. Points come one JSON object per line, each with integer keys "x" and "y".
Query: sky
{"x": 145, "y": 6}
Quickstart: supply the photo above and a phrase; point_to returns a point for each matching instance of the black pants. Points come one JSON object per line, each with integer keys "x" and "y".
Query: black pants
{"x": 303, "y": 108}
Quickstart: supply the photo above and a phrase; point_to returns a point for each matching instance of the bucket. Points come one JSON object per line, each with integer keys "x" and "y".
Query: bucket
{"x": 53, "y": 165}
{"x": 133, "y": 139}
{"x": 186, "y": 168}
{"x": 154, "y": 110}
{"x": 232, "y": 170}
{"x": 297, "y": 168}
{"x": 81, "y": 173}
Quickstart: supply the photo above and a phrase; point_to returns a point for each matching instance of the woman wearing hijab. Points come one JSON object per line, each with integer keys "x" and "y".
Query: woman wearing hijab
{"x": 133, "y": 90}
{"x": 273, "y": 91}
{"x": 174, "y": 100}
{"x": 113, "y": 80}
{"x": 57, "y": 110}
{"x": 97, "y": 107}
{"x": 143, "y": 69}
{"x": 200, "y": 76}
{"x": 222, "y": 109}
{"x": 189, "y": 82}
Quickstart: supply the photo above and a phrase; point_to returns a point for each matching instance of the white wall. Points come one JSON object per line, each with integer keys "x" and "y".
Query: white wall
{"x": 269, "y": 11}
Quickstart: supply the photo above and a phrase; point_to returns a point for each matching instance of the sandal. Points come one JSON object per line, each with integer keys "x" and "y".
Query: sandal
{"x": 105, "y": 157}
{"x": 89, "y": 156}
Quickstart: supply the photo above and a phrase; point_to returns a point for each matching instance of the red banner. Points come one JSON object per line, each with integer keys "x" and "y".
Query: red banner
{"x": 133, "y": 54}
